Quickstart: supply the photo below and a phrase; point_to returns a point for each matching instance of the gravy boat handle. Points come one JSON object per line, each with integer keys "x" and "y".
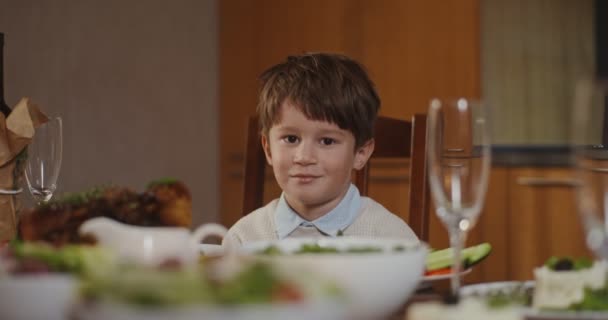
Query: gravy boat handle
{"x": 206, "y": 230}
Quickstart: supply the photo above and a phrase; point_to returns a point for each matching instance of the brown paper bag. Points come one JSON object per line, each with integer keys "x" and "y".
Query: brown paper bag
{"x": 16, "y": 132}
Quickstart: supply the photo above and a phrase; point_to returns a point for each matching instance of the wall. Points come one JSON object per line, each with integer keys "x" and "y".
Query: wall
{"x": 533, "y": 54}
{"x": 135, "y": 82}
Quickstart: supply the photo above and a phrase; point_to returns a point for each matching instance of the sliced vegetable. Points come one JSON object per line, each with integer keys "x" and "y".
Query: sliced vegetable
{"x": 438, "y": 272}
{"x": 470, "y": 256}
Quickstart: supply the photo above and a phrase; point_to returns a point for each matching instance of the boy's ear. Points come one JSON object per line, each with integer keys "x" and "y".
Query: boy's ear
{"x": 363, "y": 153}
{"x": 266, "y": 147}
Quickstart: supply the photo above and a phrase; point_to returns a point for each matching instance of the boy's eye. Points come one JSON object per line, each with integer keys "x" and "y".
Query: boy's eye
{"x": 290, "y": 139}
{"x": 327, "y": 141}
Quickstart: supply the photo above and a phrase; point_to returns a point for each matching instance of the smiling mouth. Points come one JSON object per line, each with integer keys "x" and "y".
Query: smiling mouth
{"x": 304, "y": 178}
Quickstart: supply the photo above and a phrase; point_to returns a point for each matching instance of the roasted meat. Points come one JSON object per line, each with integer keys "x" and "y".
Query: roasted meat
{"x": 163, "y": 203}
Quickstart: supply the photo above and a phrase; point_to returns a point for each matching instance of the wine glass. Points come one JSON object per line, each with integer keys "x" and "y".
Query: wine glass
{"x": 44, "y": 160}
{"x": 459, "y": 156}
{"x": 590, "y": 159}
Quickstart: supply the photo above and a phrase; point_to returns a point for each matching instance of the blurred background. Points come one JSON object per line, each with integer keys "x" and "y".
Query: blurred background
{"x": 136, "y": 83}
{"x": 149, "y": 89}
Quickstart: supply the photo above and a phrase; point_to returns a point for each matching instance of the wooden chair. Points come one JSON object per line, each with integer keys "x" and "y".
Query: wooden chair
{"x": 394, "y": 139}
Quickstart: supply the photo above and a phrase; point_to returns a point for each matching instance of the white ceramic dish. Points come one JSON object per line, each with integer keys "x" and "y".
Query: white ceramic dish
{"x": 150, "y": 245}
{"x": 31, "y": 297}
{"x": 376, "y": 283}
{"x": 528, "y": 313}
{"x": 318, "y": 310}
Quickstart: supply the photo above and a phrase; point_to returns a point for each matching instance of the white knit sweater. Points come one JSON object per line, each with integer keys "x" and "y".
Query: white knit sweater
{"x": 374, "y": 221}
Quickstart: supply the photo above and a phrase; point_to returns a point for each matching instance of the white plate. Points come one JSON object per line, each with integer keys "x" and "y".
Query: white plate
{"x": 481, "y": 289}
{"x": 445, "y": 276}
{"x": 529, "y": 313}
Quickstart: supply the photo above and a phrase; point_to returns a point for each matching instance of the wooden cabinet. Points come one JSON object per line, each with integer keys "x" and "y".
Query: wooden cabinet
{"x": 543, "y": 219}
{"x": 491, "y": 227}
{"x": 530, "y": 215}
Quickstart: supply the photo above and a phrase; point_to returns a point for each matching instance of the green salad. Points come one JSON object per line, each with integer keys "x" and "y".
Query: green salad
{"x": 40, "y": 257}
{"x": 256, "y": 283}
{"x": 308, "y": 248}
{"x": 102, "y": 278}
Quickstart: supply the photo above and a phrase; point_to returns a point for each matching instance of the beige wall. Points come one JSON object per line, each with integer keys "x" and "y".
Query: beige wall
{"x": 136, "y": 84}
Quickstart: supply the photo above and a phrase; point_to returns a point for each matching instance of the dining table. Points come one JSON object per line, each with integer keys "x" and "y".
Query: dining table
{"x": 439, "y": 291}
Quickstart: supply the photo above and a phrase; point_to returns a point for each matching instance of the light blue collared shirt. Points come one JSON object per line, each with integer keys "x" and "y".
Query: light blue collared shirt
{"x": 339, "y": 218}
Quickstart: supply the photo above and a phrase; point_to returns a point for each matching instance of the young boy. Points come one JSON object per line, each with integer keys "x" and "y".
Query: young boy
{"x": 317, "y": 114}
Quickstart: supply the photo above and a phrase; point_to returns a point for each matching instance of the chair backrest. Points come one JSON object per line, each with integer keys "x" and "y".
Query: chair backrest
{"x": 394, "y": 138}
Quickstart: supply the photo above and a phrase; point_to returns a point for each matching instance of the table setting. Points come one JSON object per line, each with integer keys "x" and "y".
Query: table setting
{"x": 115, "y": 253}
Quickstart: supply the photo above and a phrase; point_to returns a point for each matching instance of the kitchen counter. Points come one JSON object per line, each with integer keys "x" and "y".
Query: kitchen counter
{"x": 540, "y": 155}
{"x": 531, "y": 155}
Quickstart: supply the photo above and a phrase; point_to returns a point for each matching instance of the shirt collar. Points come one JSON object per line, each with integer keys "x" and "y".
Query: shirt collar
{"x": 340, "y": 217}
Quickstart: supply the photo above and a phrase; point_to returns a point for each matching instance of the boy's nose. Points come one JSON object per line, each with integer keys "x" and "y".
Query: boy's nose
{"x": 305, "y": 154}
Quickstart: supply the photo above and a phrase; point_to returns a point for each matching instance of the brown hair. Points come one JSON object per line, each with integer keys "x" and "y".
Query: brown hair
{"x": 327, "y": 87}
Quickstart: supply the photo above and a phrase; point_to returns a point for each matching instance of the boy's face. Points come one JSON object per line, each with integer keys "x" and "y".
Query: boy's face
{"x": 312, "y": 160}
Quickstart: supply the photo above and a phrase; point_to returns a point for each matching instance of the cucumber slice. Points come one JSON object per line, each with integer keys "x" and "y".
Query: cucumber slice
{"x": 470, "y": 256}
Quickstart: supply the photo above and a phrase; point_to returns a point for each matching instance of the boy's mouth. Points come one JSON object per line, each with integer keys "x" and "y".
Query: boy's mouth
{"x": 304, "y": 177}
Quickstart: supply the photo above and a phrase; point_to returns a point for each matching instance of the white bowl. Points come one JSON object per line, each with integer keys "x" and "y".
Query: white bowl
{"x": 376, "y": 283}
{"x": 31, "y": 297}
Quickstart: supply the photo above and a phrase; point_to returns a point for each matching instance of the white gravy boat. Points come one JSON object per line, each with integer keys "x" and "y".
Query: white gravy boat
{"x": 150, "y": 246}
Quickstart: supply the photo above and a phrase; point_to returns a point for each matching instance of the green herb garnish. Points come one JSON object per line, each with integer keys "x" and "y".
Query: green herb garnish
{"x": 315, "y": 248}
{"x": 271, "y": 251}
{"x": 363, "y": 249}
{"x": 399, "y": 248}
{"x": 568, "y": 264}
{"x": 593, "y": 300}
{"x": 582, "y": 263}
{"x": 77, "y": 198}
{"x": 161, "y": 182}
{"x": 519, "y": 295}
{"x": 256, "y": 284}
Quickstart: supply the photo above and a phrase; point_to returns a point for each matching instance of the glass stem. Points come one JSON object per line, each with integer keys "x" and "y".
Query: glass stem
{"x": 457, "y": 238}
